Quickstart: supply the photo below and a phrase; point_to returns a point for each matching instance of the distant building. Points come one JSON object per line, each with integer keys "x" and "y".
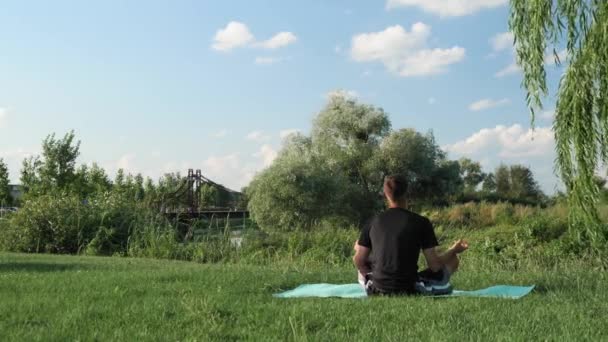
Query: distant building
{"x": 16, "y": 192}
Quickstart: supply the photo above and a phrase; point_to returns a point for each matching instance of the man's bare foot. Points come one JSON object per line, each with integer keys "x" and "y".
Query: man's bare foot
{"x": 460, "y": 246}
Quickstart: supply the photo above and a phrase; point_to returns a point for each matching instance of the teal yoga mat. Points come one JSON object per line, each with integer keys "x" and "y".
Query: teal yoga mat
{"x": 356, "y": 291}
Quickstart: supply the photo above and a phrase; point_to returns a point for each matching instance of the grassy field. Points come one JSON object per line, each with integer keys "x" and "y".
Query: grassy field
{"x": 60, "y": 298}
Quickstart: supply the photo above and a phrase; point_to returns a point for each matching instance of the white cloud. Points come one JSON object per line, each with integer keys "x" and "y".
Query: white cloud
{"x": 432, "y": 100}
{"x": 279, "y": 40}
{"x": 125, "y": 162}
{"x": 19, "y": 152}
{"x": 548, "y": 114}
{"x": 487, "y": 104}
{"x": 447, "y": 8}
{"x": 287, "y": 132}
{"x": 502, "y": 41}
{"x": 3, "y": 116}
{"x": 173, "y": 167}
{"x": 405, "y": 53}
{"x": 228, "y": 170}
{"x": 510, "y": 142}
{"x": 220, "y": 134}
{"x": 390, "y": 43}
{"x": 511, "y": 69}
{"x": 217, "y": 165}
{"x": 267, "y": 154}
{"x": 512, "y": 145}
{"x": 431, "y": 62}
{"x": 233, "y": 170}
{"x": 349, "y": 94}
{"x": 13, "y": 158}
{"x": 267, "y": 60}
{"x": 234, "y": 35}
{"x": 237, "y": 34}
{"x": 236, "y": 171}
{"x": 258, "y": 136}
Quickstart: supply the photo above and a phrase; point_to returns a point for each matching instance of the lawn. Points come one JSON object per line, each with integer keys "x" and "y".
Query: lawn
{"x": 61, "y": 298}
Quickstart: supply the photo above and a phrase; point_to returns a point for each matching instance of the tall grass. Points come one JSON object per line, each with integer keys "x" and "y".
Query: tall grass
{"x": 479, "y": 215}
{"x": 503, "y": 234}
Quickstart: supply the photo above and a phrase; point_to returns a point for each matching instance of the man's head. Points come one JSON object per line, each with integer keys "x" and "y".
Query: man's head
{"x": 395, "y": 190}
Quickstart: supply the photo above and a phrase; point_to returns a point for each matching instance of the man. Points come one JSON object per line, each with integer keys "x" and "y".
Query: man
{"x": 393, "y": 240}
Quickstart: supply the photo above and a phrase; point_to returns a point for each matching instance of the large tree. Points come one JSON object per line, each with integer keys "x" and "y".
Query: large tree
{"x": 502, "y": 177}
{"x": 419, "y": 158}
{"x": 471, "y": 174}
{"x": 581, "y": 121}
{"x": 347, "y": 133}
{"x": 299, "y": 190}
{"x": 55, "y": 169}
{"x": 515, "y": 183}
{"x": 489, "y": 183}
{"x": 523, "y": 185}
{"x": 59, "y": 160}
{"x": 90, "y": 180}
{"x": 337, "y": 172}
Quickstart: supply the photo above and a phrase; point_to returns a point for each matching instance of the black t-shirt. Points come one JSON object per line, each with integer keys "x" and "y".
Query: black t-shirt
{"x": 396, "y": 238}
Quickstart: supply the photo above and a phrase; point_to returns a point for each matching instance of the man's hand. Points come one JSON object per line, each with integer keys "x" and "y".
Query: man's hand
{"x": 460, "y": 246}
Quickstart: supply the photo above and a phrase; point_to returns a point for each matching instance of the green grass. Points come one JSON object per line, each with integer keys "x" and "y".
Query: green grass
{"x": 61, "y": 298}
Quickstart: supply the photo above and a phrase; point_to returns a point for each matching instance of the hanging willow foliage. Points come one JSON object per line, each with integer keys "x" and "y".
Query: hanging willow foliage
{"x": 581, "y": 121}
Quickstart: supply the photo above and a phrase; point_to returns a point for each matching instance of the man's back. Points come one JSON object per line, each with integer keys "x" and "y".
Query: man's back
{"x": 396, "y": 238}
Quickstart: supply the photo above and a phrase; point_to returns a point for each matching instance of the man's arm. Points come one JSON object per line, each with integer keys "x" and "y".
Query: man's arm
{"x": 361, "y": 259}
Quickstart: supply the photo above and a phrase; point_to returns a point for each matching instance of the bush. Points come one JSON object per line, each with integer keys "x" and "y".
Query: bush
{"x": 545, "y": 228}
{"x": 49, "y": 224}
{"x": 502, "y": 212}
{"x": 156, "y": 240}
{"x": 63, "y": 223}
{"x": 484, "y": 214}
{"x": 296, "y": 194}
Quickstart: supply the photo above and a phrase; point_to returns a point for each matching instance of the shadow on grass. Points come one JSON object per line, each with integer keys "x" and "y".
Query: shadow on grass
{"x": 32, "y": 267}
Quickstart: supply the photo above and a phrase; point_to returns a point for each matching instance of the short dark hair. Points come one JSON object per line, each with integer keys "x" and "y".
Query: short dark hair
{"x": 395, "y": 187}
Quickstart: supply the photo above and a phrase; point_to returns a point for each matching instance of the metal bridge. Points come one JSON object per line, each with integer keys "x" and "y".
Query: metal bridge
{"x": 190, "y": 190}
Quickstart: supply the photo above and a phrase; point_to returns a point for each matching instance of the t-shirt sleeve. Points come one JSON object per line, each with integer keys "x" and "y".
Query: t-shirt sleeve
{"x": 364, "y": 239}
{"x": 428, "y": 238}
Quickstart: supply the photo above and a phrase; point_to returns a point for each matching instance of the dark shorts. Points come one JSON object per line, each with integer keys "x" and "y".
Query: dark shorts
{"x": 429, "y": 283}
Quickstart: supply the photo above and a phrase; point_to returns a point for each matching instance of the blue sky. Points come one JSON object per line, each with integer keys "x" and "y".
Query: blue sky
{"x": 162, "y": 86}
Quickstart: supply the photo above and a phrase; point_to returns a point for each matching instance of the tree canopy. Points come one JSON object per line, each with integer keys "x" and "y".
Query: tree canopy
{"x": 56, "y": 169}
{"x": 337, "y": 173}
{"x": 581, "y": 120}
{"x": 471, "y": 174}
